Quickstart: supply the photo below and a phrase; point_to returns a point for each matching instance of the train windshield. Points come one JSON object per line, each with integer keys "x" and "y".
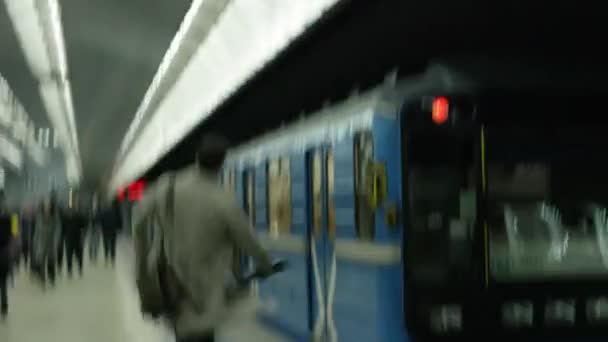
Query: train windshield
{"x": 442, "y": 199}
{"x": 547, "y": 203}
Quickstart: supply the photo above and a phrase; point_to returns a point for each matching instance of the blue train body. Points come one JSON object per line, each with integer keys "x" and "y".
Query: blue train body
{"x": 310, "y": 190}
{"x": 338, "y": 286}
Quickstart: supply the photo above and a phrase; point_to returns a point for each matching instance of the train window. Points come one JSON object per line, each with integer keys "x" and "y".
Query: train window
{"x": 316, "y": 192}
{"x": 331, "y": 204}
{"x": 441, "y": 189}
{"x": 364, "y": 150}
{"x": 279, "y": 197}
{"x": 250, "y": 194}
{"x": 547, "y": 204}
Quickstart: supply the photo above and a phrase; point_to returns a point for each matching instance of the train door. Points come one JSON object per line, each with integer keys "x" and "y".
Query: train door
{"x": 249, "y": 179}
{"x": 247, "y": 197}
{"x": 250, "y": 208}
{"x": 320, "y": 163}
{"x": 342, "y": 236}
{"x": 330, "y": 241}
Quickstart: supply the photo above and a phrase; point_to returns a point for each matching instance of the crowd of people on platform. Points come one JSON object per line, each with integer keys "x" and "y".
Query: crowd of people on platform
{"x": 43, "y": 239}
{"x": 189, "y": 237}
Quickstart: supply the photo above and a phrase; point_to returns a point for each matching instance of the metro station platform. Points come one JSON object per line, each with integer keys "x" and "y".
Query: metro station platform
{"x": 100, "y": 307}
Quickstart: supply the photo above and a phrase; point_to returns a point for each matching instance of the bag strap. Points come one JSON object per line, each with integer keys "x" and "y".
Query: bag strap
{"x": 166, "y": 273}
{"x": 169, "y": 209}
{"x": 170, "y": 197}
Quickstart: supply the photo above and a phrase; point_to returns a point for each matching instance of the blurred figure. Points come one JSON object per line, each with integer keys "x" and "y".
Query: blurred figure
{"x": 110, "y": 225}
{"x": 60, "y": 243}
{"x": 46, "y": 242}
{"x": 27, "y": 223}
{"x": 94, "y": 233}
{"x": 73, "y": 225}
{"x": 35, "y": 210}
{"x": 9, "y": 250}
{"x": 201, "y": 225}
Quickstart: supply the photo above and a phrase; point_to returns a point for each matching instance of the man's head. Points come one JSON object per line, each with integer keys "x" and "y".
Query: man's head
{"x": 212, "y": 152}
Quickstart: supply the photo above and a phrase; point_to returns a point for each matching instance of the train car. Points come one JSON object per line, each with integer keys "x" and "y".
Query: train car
{"x": 468, "y": 202}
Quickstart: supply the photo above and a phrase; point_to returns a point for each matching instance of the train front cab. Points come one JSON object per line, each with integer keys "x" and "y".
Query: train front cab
{"x": 505, "y": 217}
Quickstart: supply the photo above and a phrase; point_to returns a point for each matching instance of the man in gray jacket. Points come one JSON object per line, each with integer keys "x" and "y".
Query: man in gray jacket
{"x": 207, "y": 226}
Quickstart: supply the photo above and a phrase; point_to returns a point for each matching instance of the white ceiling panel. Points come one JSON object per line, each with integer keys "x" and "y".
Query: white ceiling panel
{"x": 248, "y": 35}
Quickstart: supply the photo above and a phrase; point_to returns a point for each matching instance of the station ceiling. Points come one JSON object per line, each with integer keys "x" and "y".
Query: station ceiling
{"x": 359, "y": 43}
{"x": 114, "y": 48}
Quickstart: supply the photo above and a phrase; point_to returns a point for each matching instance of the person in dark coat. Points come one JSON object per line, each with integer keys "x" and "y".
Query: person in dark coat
{"x": 9, "y": 250}
{"x": 94, "y": 233}
{"x": 46, "y": 242}
{"x": 55, "y": 211}
{"x": 110, "y": 225}
{"x": 27, "y": 219}
{"x": 73, "y": 226}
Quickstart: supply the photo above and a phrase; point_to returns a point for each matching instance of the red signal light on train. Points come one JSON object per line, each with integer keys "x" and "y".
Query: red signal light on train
{"x": 441, "y": 107}
{"x": 136, "y": 190}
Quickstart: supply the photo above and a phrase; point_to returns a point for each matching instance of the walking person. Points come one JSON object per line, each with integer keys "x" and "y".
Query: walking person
{"x": 93, "y": 236}
{"x": 5, "y": 261}
{"x": 36, "y": 210}
{"x": 57, "y": 212}
{"x": 200, "y": 225}
{"x": 110, "y": 226}
{"x": 73, "y": 231}
{"x": 26, "y": 223}
{"x": 46, "y": 241}
{"x": 9, "y": 251}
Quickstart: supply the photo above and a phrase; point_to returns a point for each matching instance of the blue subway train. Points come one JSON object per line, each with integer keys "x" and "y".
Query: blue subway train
{"x": 467, "y": 202}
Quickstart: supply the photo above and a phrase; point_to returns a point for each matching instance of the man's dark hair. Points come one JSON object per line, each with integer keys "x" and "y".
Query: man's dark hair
{"x": 212, "y": 152}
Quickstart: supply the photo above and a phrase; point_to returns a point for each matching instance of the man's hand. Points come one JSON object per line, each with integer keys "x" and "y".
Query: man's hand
{"x": 270, "y": 269}
{"x": 264, "y": 271}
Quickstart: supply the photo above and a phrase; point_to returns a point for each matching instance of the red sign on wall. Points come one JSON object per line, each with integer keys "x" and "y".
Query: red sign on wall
{"x": 121, "y": 193}
{"x": 133, "y": 192}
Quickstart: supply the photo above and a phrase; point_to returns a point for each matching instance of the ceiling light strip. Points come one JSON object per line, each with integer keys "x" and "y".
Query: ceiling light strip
{"x": 180, "y": 39}
{"x": 40, "y": 34}
{"x": 16, "y": 120}
{"x": 247, "y": 37}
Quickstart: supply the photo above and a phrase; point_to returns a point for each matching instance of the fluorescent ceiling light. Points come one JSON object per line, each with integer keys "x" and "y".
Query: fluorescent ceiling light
{"x": 72, "y": 171}
{"x": 16, "y": 120}
{"x": 10, "y": 152}
{"x": 52, "y": 97}
{"x": 194, "y": 30}
{"x": 165, "y": 64}
{"x": 40, "y": 34}
{"x": 30, "y": 35}
{"x": 37, "y": 153}
{"x": 5, "y": 115}
{"x": 248, "y": 35}
{"x": 55, "y": 37}
{"x": 69, "y": 115}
